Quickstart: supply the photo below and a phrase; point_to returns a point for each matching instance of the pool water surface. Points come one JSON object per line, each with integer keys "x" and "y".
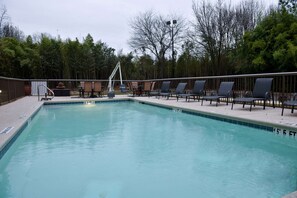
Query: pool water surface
{"x": 132, "y": 150}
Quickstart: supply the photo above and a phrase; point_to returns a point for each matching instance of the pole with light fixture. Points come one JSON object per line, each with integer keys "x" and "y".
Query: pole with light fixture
{"x": 171, "y": 24}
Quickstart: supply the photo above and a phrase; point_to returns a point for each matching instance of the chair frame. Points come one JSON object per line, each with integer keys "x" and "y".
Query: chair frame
{"x": 88, "y": 88}
{"x": 290, "y": 103}
{"x": 221, "y": 93}
{"x": 147, "y": 87}
{"x": 98, "y": 88}
{"x": 165, "y": 88}
{"x": 180, "y": 89}
{"x": 197, "y": 91}
{"x": 258, "y": 94}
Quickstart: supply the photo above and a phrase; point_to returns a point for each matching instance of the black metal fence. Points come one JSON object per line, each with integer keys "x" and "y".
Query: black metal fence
{"x": 11, "y": 89}
{"x": 284, "y": 84}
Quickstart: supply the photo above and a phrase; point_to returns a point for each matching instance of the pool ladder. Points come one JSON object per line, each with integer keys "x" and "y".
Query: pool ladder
{"x": 45, "y": 95}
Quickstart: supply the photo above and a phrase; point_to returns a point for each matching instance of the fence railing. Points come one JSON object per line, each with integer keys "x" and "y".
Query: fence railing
{"x": 284, "y": 84}
{"x": 11, "y": 89}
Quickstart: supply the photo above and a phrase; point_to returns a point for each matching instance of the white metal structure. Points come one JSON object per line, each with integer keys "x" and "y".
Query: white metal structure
{"x": 111, "y": 83}
{"x": 41, "y": 86}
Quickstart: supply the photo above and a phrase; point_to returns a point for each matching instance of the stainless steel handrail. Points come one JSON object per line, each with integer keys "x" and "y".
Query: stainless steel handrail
{"x": 53, "y": 94}
{"x": 180, "y": 78}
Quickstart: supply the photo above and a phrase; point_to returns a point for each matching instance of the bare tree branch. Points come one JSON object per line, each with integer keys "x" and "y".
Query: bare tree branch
{"x": 150, "y": 32}
{"x": 3, "y": 19}
{"x": 218, "y": 28}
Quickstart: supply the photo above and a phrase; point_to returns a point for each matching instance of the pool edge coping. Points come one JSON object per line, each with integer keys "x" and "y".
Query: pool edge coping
{"x": 17, "y": 131}
{"x": 213, "y": 115}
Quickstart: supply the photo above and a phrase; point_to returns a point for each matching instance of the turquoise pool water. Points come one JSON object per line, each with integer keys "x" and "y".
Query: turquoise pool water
{"x": 131, "y": 150}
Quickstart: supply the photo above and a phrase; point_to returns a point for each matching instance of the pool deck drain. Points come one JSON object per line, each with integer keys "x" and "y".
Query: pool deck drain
{"x": 17, "y": 113}
{"x": 6, "y": 130}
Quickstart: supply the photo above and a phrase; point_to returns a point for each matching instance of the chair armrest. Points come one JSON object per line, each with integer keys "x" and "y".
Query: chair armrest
{"x": 248, "y": 94}
{"x": 203, "y": 92}
{"x": 214, "y": 93}
{"x": 230, "y": 93}
{"x": 294, "y": 96}
{"x": 267, "y": 95}
{"x": 189, "y": 91}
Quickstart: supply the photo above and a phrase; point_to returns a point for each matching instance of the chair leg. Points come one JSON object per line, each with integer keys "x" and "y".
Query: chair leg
{"x": 292, "y": 110}
{"x": 283, "y": 106}
{"x": 273, "y": 100}
{"x": 264, "y": 104}
{"x": 202, "y": 102}
{"x": 251, "y": 106}
{"x": 232, "y": 105}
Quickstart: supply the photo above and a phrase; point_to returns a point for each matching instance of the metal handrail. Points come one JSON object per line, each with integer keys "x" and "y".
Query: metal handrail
{"x": 53, "y": 94}
{"x": 180, "y": 78}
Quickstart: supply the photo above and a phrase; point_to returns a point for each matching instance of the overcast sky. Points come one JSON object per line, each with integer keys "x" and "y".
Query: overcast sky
{"x": 105, "y": 20}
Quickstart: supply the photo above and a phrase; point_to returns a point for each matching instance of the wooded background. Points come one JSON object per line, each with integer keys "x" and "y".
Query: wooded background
{"x": 222, "y": 39}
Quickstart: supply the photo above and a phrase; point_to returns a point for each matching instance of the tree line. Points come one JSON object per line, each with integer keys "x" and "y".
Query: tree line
{"x": 221, "y": 39}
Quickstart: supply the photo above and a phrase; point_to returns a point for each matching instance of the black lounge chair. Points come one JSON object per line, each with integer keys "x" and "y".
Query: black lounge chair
{"x": 165, "y": 88}
{"x": 197, "y": 91}
{"x": 225, "y": 91}
{"x": 180, "y": 89}
{"x": 261, "y": 92}
{"x": 290, "y": 103}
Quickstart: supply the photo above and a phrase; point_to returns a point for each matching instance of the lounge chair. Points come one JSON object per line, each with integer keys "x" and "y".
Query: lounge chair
{"x": 197, "y": 91}
{"x": 225, "y": 91}
{"x": 123, "y": 88}
{"x": 147, "y": 87}
{"x": 165, "y": 88}
{"x": 180, "y": 89}
{"x": 134, "y": 88}
{"x": 152, "y": 87}
{"x": 290, "y": 103}
{"x": 88, "y": 88}
{"x": 261, "y": 92}
{"x": 98, "y": 88}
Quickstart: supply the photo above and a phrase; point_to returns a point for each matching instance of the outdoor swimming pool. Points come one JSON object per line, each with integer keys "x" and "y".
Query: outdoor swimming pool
{"x": 131, "y": 150}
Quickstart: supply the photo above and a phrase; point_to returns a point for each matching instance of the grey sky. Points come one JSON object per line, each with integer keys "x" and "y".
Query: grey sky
{"x": 105, "y": 20}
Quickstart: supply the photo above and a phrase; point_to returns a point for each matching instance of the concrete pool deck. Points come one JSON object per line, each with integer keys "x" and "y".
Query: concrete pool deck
{"x": 17, "y": 113}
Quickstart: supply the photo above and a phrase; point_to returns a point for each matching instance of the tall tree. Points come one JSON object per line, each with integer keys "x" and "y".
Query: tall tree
{"x": 272, "y": 46}
{"x": 289, "y": 5}
{"x": 151, "y": 33}
{"x": 3, "y": 19}
{"x": 218, "y": 29}
{"x": 188, "y": 63}
{"x": 88, "y": 62}
{"x": 13, "y": 58}
{"x": 144, "y": 67}
{"x": 50, "y": 57}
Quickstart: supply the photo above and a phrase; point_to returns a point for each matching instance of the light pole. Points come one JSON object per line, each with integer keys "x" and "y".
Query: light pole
{"x": 171, "y": 25}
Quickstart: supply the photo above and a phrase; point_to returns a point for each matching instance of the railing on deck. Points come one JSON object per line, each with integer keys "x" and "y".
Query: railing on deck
{"x": 11, "y": 89}
{"x": 284, "y": 84}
